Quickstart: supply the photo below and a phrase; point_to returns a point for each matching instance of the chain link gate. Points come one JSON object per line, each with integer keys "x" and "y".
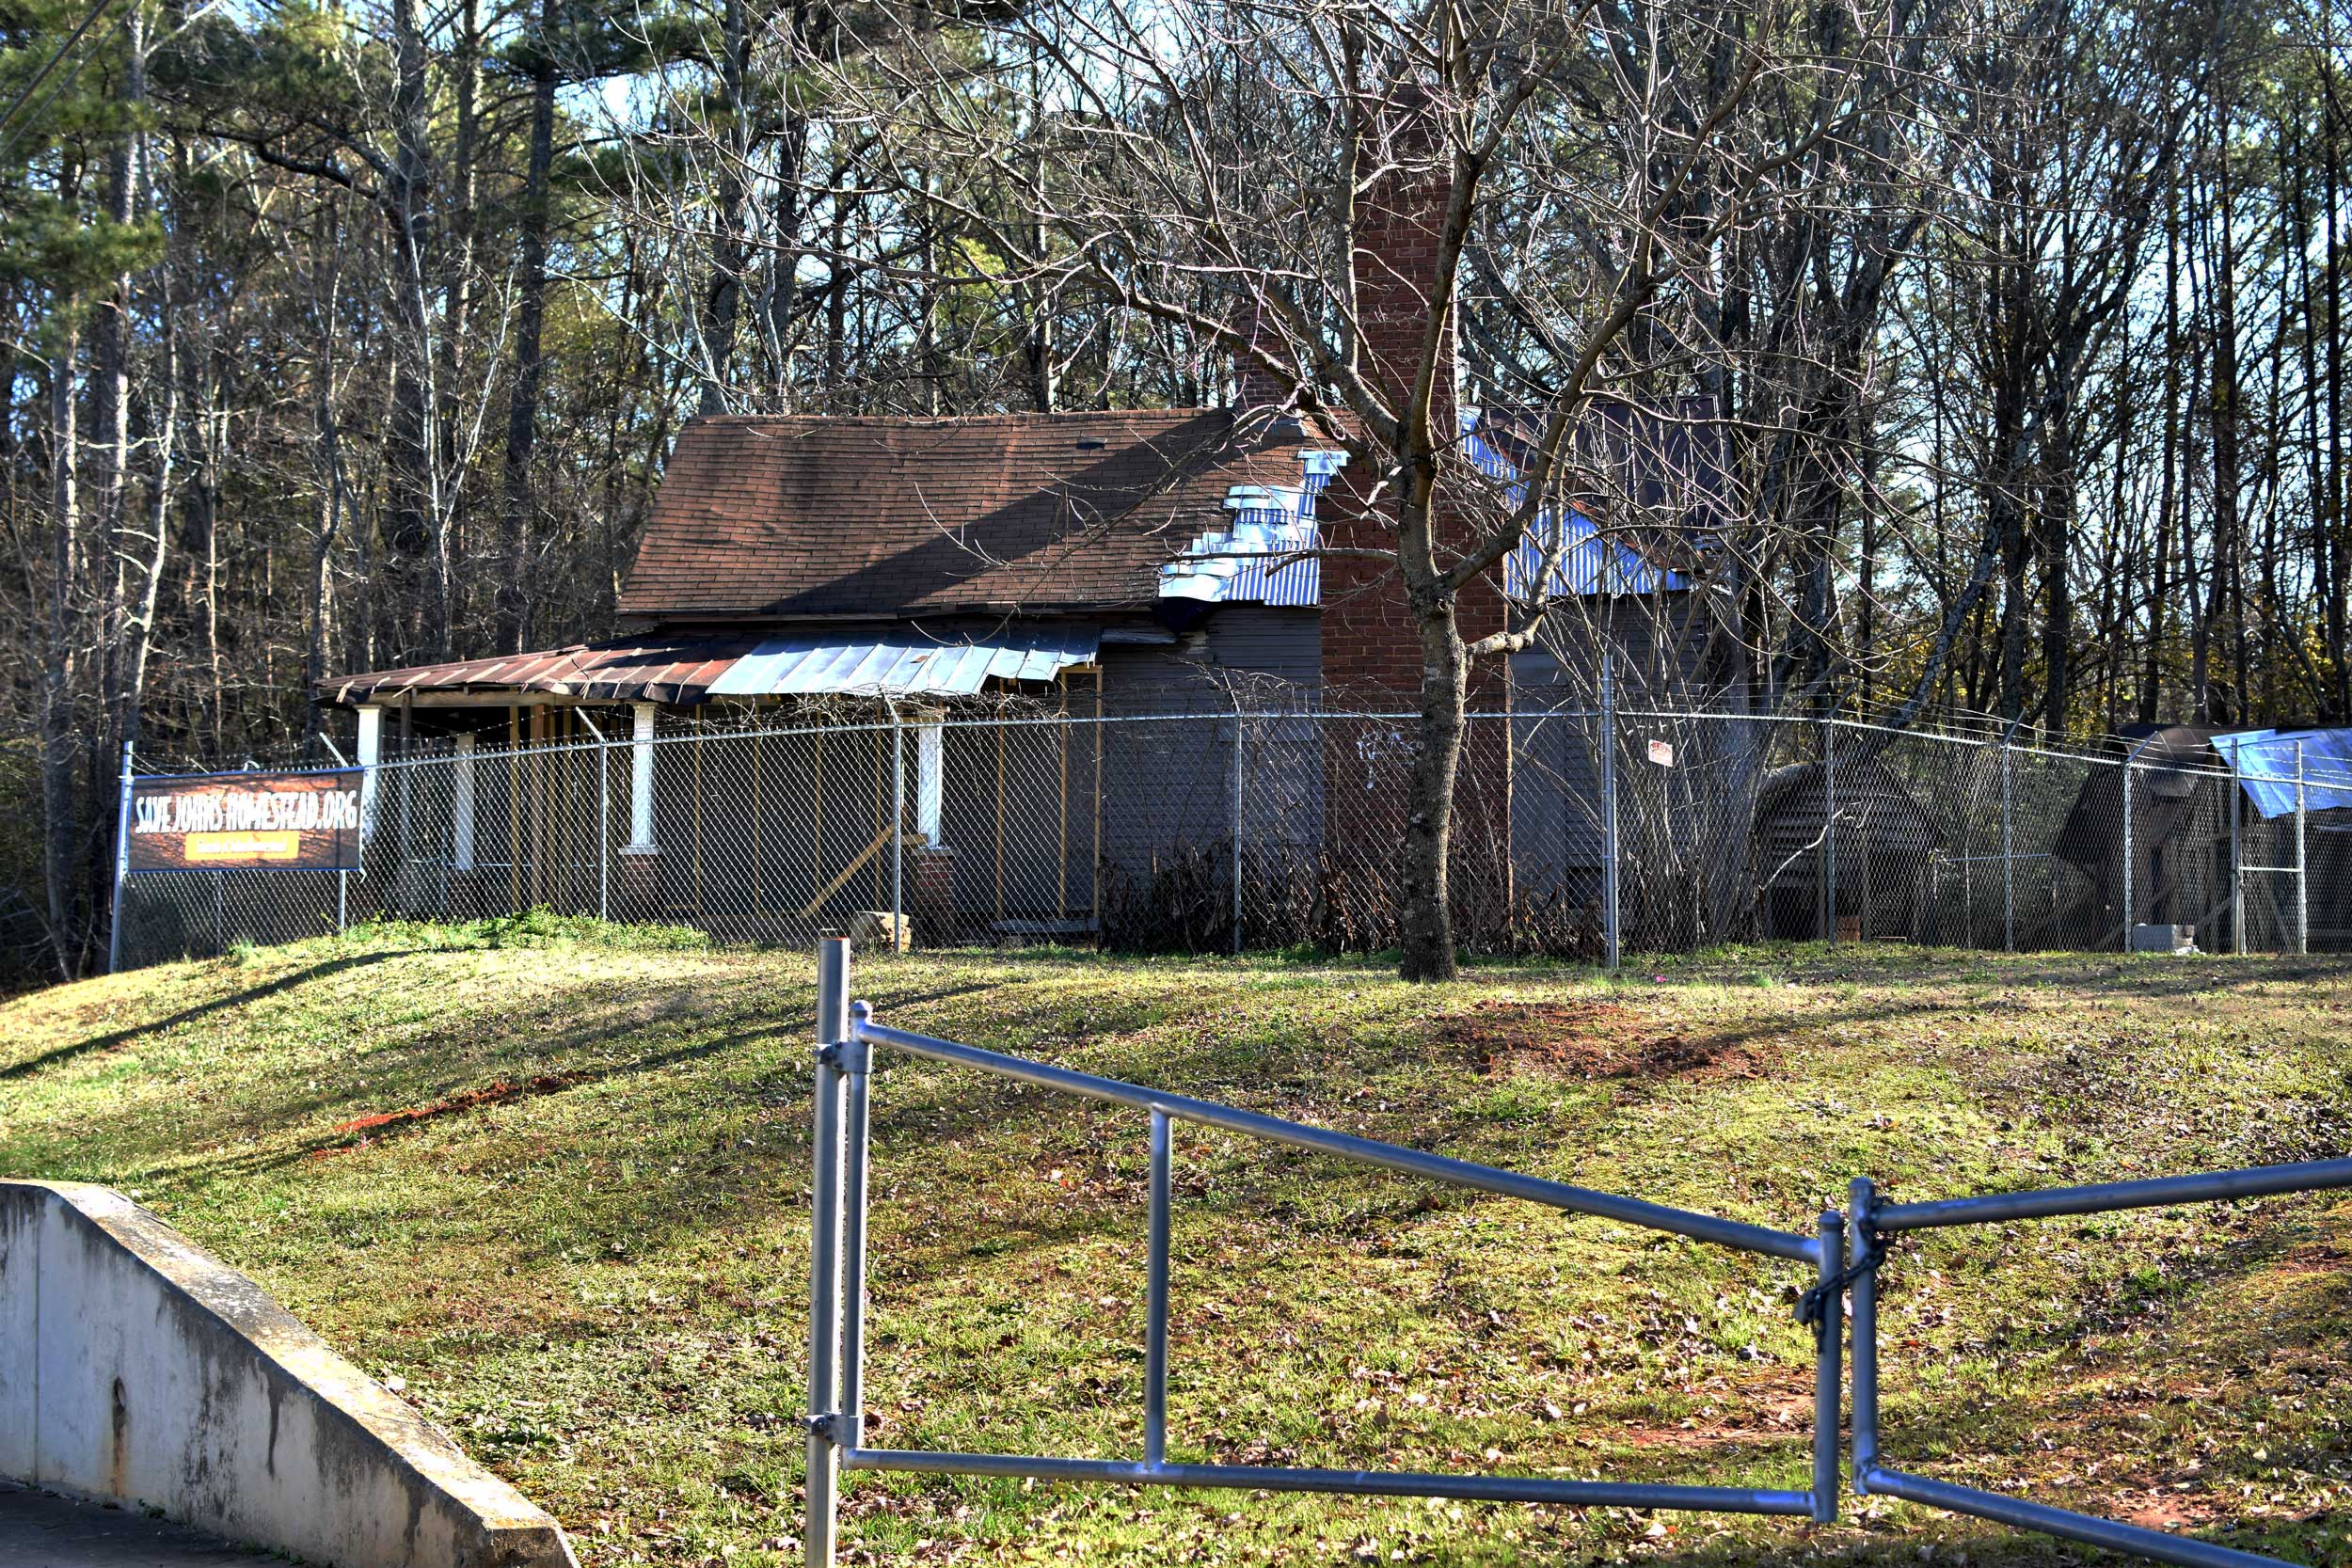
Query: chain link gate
{"x": 1844, "y": 1259}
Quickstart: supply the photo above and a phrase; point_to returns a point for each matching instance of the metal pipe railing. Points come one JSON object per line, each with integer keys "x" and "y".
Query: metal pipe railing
{"x": 1847, "y": 1252}
{"x": 1871, "y": 1219}
{"x": 1828, "y": 1330}
{"x": 1156, "y": 1301}
{"x": 1412, "y": 1161}
{"x": 2042, "y": 1202}
{"x": 1383, "y": 1484}
{"x": 847, "y": 1035}
{"x": 2021, "y": 1514}
{"x": 824, "y": 1256}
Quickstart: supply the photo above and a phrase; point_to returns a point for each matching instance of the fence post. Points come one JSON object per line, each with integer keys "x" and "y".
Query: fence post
{"x": 1863, "y": 1318}
{"x": 899, "y": 940}
{"x": 1155, "y": 1302}
{"x": 405, "y": 842}
{"x": 2302, "y": 867}
{"x": 824, "y": 1251}
{"x": 1237, "y": 812}
{"x": 342, "y": 878}
{"x": 370, "y": 750}
{"x": 2237, "y": 859}
{"x": 604, "y": 819}
{"x": 2009, "y": 863}
{"x": 123, "y": 866}
{"x": 1609, "y": 930}
{"x": 1829, "y": 1333}
{"x": 461, "y": 811}
{"x": 2124, "y": 942}
{"x": 1828, "y": 882}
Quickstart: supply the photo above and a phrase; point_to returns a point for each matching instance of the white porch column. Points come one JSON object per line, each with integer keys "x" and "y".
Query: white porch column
{"x": 640, "y": 784}
{"x": 929, "y": 782}
{"x": 370, "y": 752}
{"x": 461, "y": 814}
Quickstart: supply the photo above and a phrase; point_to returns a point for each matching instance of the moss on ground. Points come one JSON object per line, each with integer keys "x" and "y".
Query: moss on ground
{"x": 554, "y": 1176}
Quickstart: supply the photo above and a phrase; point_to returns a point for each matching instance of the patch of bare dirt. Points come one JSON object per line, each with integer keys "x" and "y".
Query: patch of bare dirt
{"x": 1702, "y": 1437}
{"x": 1589, "y": 1039}
{"x": 471, "y": 1099}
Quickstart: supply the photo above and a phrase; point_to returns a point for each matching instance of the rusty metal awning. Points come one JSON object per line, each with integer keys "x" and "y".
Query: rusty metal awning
{"x": 691, "y": 669}
{"x": 655, "y": 670}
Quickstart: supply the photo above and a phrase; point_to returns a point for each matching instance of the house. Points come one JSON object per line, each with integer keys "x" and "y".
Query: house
{"x": 1110, "y": 564}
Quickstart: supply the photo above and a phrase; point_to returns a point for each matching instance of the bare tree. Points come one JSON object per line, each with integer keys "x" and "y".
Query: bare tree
{"x": 1304, "y": 187}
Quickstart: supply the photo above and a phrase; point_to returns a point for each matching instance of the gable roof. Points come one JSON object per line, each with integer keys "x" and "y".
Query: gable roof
{"x": 821, "y": 516}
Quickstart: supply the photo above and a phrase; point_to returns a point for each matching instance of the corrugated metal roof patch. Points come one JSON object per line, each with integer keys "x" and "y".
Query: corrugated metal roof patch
{"x": 904, "y": 666}
{"x": 1257, "y": 560}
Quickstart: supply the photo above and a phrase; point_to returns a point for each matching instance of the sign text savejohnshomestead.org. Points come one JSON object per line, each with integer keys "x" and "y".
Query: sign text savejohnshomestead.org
{"x": 283, "y": 821}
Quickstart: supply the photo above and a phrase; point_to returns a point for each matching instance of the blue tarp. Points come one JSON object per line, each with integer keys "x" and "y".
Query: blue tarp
{"x": 2264, "y": 762}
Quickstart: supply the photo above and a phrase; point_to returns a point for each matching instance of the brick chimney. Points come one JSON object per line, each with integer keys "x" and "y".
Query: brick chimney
{"x": 1399, "y": 221}
{"x": 1256, "y": 391}
{"x": 1371, "y": 650}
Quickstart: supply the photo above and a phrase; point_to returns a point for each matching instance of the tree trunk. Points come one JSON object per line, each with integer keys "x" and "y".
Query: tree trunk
{"x": 165, "y": 432}
{"x": 837, "y": 277}
{"x": 2059, "y": 507}
{"x": 110, "y": 391}
{"x": 2160, "y": 588}
{"x": 412, "y": 527}
{"x": 2008, "y": 508}
{"x": 210, "y": 439}
{"x": 60, "y": 816}
{"x": 522, "y": 409}
{"x": 1425, "y": 922}
{"x": 723, "y": 296}
{"x": 328, "y": 457}
{"x": 2226, "y": 546}
{"x": 2339, "y": 540}
{"x": 456, "y": 267}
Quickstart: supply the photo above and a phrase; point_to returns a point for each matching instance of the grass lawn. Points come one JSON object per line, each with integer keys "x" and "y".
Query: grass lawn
{"x": 554, "y": 1178}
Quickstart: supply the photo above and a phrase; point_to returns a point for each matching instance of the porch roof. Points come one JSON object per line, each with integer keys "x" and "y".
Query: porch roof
{"x": 686, "y": 670}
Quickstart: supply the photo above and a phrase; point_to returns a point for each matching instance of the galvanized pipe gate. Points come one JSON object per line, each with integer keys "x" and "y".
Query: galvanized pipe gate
{"x": 1843, "y": 1259}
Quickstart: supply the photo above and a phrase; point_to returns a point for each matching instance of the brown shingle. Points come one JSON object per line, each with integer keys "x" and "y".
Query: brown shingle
{"x": 820, "y": 516}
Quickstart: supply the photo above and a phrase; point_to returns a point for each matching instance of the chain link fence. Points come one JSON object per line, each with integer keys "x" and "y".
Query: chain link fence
{"x": 1576, "y": 833}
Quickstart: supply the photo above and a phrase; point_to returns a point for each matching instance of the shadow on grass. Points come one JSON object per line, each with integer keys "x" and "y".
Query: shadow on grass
{"x": 65, "y": 1053}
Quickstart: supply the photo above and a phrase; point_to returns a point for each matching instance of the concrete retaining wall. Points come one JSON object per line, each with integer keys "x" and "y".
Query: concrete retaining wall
{"x": 134, "y": 1367}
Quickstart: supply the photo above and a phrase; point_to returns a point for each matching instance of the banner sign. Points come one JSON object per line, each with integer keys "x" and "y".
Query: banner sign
{"x": 229, "y": 821}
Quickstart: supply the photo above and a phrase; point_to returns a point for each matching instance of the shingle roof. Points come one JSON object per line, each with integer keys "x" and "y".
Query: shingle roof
{"x": 762, "y": 516}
